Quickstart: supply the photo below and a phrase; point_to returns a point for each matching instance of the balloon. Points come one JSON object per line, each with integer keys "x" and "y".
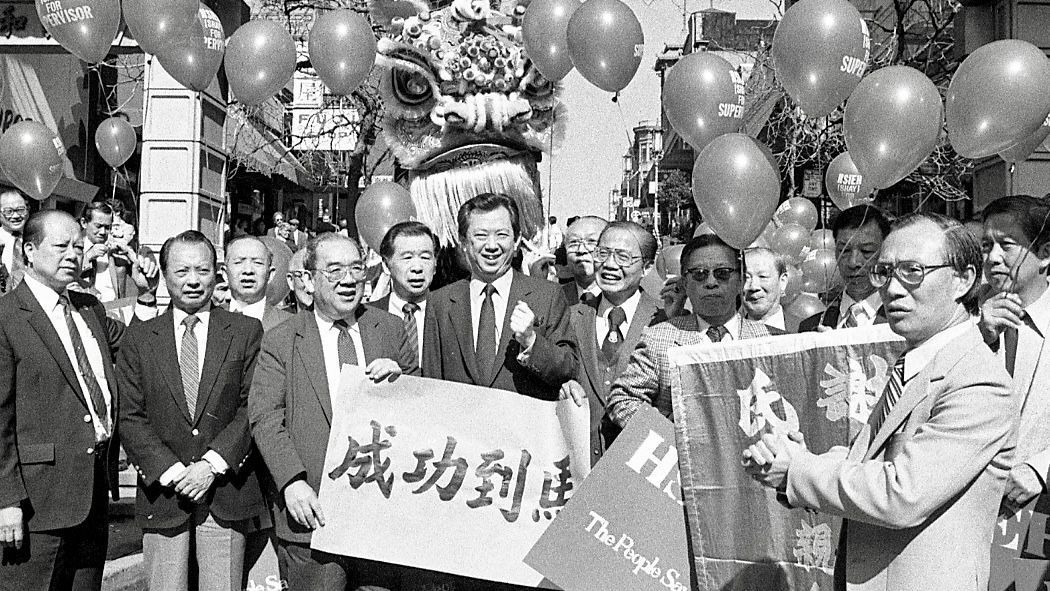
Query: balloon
{"x": 545, "y": 31}
{"x": 822, "y": 239}
{"x": 115, "y": 140}
{"x": 846, "y": 186}
{"x": 811, "y": 284}
{"x": 669, "y": 262}
{"x": 703, "y": 228}
{"x": 31, "y": 156}
{"x": 821, "y": 268}
{"x": 703, "y": 97}
{"x": 804, "y": 306}
{"x": 820, "y": 52}
{"x": 892, "y": 123}
{"x": 342, "y": 49}
{"x": 194, "y": 59}
{"x": 789, "y": 240}
{"x": 382, "y": 205}
{"x": 277, "y": 288}
{"x": 997, "y": 97}
{"x": 260, "y": 60}
{"x": 86, "y": 28}
{"x": 1022, "y": 150}
{"x": 735, "y": 187}
{"x": 794, "y": 285}
{"x": 797, "y": 210}
{"x": 605, "y": 43}
{"x": 157, "y": 23}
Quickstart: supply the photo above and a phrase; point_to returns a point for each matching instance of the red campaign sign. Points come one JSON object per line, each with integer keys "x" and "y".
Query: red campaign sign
{"x": 624, "y": 528}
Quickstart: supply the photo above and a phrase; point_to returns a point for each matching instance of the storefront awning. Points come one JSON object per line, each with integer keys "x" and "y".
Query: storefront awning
{"x": 258, "y": 150}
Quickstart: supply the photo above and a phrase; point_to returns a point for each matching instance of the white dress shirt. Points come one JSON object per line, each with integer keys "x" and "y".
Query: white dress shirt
{"x": 48, "y": 300}
{"x": 601, "y": 321}
{"x": 869, "y": 307}
{"x": 732, "y": 325}
{"x": 396, "y": 306}
{"x": 8, "y": 241}
{"x": 499, "y": 303}
{"x": 330, "y": 348}
{"x": 593, "y": 290}
{"x": 256, "y": 310}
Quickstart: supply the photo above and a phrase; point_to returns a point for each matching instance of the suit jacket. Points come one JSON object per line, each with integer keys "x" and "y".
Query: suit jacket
{"x": 590, "y": 375}
{"x": 290, "y": 407}
{"x": 119, "y": 273}
{"x": 921, "y": 495}
{"x": 647, "y": 377}
{"x": 159, "y": 432}
{"x": 572, "y": 297}
{"x": 448, "y": 340}
{"x": 274, "y": 316}
{"x": 830, "y": 316}
{"x": 1031, "y": 376}
{"x": 47, "y": 440}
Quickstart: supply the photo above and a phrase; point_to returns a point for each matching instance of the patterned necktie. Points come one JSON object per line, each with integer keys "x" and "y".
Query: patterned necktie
{"x": 17, "y": 270}
{"x": 98, "y": 401}
{"x": 345, "y": 346}
{"x": 892, "y": 393}
{"x": 717, "y": 333}
{"x": 188, "y": 364}
{"x": 411, "y": 329}
{"x": 614, "y": 338}
{"x": 485, "y": 350}
{"x": 856, "y": 312}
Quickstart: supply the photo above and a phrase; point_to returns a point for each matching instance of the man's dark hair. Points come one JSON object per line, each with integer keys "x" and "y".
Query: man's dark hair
{"x": 859, "y": 216}
{"x": 705, "y": 240}
{"x": 962, "y": 251}
{"x": 406, "y": 229}
{"x": 1031, "y": 214}
{"x": 647, "y": 244}
{"x": 485, "y": 203}
{"x": 187, "y": 237}
{"x": 96, "y": 206}
{"x": 310, "y": 258}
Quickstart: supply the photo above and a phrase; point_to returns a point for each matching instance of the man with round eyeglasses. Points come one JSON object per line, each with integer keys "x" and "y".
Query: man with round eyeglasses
{"x": 712, "y": 277}
{"x": 13, "y": 214}
{"x": 921, "y": 485}
{"x": 580, "y": 242}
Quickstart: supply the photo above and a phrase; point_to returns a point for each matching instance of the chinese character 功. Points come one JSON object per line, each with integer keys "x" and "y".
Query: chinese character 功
{"x": 446, "y": 492}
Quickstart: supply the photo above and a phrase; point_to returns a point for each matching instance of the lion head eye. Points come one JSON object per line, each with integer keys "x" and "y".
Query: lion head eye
{"x": 411, "y": 88}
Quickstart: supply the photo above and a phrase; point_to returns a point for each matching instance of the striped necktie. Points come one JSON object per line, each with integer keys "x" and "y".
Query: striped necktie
{"x": 892, "y": 393}
{"x": 98, "y": 400}
{"x": 188, "y": 364}
{"x": 411, "y": 328}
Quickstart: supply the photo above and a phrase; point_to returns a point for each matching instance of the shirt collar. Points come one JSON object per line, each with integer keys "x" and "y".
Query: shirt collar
{"x": 629, "y": 307}
{"x": 871, "y": 304}
{"x": 256, "y": 310}
{"x": 593, "y": 289}
{"x": 398, "y": 303}
{"x": 918, "y": 358}
{"x": 732, "y": 325}
{"x": 181, "y": 315}
{"x": 326, "y": 325}
{"x": 1039, "y": 312}
{"x": 502, "y": 285}
{"x": 47, "y": 297}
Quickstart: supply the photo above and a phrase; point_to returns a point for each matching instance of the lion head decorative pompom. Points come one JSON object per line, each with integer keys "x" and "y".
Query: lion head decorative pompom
{"x": 465, "y": 111}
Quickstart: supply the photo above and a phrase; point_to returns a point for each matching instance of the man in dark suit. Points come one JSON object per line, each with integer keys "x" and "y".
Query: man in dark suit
{"x": 859, "y": 232}
{"x": 184, "y": 379}
{"x": 500, "y": 328}
{"x": 712, "y": 274}
{"x": 580, "y": 242}
{"x": 290, "y": 405}
{"x": 409, "y": 252}
{"x": 608, "y": 332}
{"x": 58, "y": 451}
{"x": 248, "y": 270}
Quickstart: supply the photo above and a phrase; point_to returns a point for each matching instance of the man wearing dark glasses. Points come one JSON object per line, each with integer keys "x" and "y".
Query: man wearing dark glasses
{"x": 713, "y": 280}
{"x": 919, "y": 489}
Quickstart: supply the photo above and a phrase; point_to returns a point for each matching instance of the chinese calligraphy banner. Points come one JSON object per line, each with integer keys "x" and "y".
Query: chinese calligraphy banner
{"x": 625, "y": 526}
{"x": 1021, "y": 549}
{"x": 447, "y": 477}
{"x": 725, "y": 397}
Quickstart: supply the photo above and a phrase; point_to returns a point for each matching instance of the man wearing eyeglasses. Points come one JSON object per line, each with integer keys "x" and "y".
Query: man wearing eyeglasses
{"x": 13, "y": 213}
{"x": 712, "y": 277}
{"x": 609, "y": 331}
{"x": 290, "y": 406}
{"x": 303, "y": 298}
{"x": 580, "y": 242}
{"x": 920, "y": 487}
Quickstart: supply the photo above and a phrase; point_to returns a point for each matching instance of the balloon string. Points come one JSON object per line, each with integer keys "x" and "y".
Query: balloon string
{"x": 550, "y": 163}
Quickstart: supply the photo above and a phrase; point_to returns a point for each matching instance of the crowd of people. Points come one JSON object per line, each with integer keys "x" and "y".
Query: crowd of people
{"x": 225, "y": 410}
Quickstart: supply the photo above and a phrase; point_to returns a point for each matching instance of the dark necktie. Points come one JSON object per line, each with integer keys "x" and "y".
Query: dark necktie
{"x": 717, "y": 333}
{"x": 1010, "y": 342}
{"x": 485, "y": 350}
{"x": 17, "y": 270}
{"x": 411, "y": 329}
{"x": 890, "y": 396}
{"x": 189, "y": 365}
{"x": 614, "y": 338}
{"x": 98, "y": 401}
{"x": 589, "y": 298}
{"x": 346, "y": 348}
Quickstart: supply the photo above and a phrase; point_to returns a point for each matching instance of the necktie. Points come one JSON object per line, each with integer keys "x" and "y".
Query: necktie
{"x": 856, "y": 312}
{"x": 717, "y": 333}
{"x": 98, "y": 401}
{"x": 485, "y": 350}
{"x": 1010, "y": 344}
{"x": 891, "y": 394}
{"x": 589, "y": 298}
{"x": 411, "y": 329}
{"x": 614, "y": 338}
{"x": 346, "y": 348}
{"x": 188, "y": 364}
{"x": 17, "y": 265}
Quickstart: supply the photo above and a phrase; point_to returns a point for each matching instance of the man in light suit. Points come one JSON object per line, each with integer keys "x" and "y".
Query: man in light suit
{"x": 920, "y": 487}
{"x": 409, "y": 252}
{"x": 580, "y": 242}
{"x": 13, "y": 213}
{"x": 712, "y": 276}
{"x": 500, "y": 328}
{"x": 290, "y": 405}
{"x": 111, "y": 269}
{"x": 608, "y": 332}
{"x": 184, "y": 379}
{"x": 1015, "y": 321}
{"x": 248, "y": 270}
{"x": 766, "y": 280}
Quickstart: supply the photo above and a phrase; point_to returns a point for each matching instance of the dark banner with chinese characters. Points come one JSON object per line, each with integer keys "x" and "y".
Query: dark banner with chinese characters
{"x": 447, "y": 477}
{"x": 726, "y": 396}
{"x": 1021, "y": 549}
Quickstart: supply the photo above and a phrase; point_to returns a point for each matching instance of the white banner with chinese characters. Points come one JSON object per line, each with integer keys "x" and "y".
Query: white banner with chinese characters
{"x": 445, "y": 476}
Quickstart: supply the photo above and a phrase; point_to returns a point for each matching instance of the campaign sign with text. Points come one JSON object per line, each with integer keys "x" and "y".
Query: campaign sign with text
{"x": 624, "y": 529}
{"x": 1021, "y": 549}
{"x": 445, "y": 476}
{"x": 726, "y": 396}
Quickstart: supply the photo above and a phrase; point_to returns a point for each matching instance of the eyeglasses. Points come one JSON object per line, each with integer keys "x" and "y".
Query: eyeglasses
{"x": 581, "y": 245}
{"x": 722, "y": 274}
{"x": 10, "y": 211}
{"x": 356, "y": 271}
{"x": 909, "y": 273}
{"x": 621, "y": 258}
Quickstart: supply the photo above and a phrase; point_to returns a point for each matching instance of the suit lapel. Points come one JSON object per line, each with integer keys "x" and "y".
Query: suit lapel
{"x": 163, "y": 345}
{"x": 308, "y": 347}
{"x": 689, "y": 331}
{"x": 371, "y": 339}
{"x": 220, "y": 335}
{"x": 460, "y": 319}
{"x": 1029, "y": 360}
{"x": 584, "y": 318}
{"x": 40, "y": 322}
{"x": 643, "y": 317}
{"x": 518, "y": 292}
